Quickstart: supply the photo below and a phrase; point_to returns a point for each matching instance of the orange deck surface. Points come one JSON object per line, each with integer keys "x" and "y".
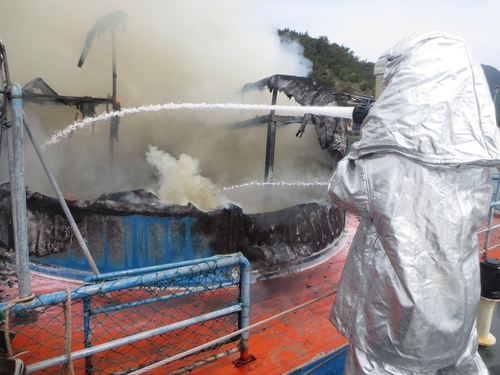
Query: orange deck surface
{"x": 285, "y": 343}
{"x": 295, "y": 339}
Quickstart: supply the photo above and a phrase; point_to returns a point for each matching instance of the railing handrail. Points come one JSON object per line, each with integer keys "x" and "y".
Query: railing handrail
{"x": 182, "y": 270}
{"x": 115, "y": 284}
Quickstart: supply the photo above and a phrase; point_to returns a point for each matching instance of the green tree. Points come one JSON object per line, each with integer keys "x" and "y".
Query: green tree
{"x": 336, "y": 67}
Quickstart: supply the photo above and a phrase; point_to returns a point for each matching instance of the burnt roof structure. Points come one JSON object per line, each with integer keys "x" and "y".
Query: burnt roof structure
{"x": 38, "y": 91}
{"x": 332, "y": 131}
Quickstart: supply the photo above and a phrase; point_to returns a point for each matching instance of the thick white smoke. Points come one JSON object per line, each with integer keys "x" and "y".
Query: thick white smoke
{"x": 171, "y": 51}
{"x": 180, "y": 181}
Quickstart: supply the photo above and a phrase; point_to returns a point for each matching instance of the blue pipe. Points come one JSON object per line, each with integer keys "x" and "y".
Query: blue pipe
{"x": 245, "y": 311}
{"x": 18, "y": 191}
{"x": 158, "y": 299}
{"x": 128, "y": 282}
{"x": 162, "y": 267}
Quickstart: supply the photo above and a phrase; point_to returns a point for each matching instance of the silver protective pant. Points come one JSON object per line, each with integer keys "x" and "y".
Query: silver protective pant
{"x": 358, "y": 363}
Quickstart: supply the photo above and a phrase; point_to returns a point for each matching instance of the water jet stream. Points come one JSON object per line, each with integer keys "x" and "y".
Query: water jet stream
{"x": 249, "y": 184}
{"x": 343, "y": 112}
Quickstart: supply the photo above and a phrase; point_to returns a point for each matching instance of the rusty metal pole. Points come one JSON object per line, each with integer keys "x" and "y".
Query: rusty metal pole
{"x": 112, "y": 128}
{"x": 113, "y": 57}
{"x": 115, "y": 120}
{"x": 271, "y": 143}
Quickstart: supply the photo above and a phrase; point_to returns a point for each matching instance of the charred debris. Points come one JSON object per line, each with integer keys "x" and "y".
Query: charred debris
{"x": 38, "y": 91}
{"x": 272, "y": 242}
{"x": 332, "y": 132}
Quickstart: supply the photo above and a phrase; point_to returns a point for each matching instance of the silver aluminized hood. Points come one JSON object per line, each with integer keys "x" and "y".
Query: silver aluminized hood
{"x": 431, "y": 110}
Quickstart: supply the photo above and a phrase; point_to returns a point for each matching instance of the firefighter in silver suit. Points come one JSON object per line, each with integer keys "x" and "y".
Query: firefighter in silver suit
{"x": 420, "y": 180}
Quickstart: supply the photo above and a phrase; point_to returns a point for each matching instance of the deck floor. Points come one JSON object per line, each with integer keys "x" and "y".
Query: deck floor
{"x": 491, "y": 355}
{"x": 292, "y": 340}
{"x": 289, "y": 341}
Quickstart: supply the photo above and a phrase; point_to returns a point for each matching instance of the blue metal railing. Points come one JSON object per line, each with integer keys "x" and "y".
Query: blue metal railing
{"x": 156, "y": 276}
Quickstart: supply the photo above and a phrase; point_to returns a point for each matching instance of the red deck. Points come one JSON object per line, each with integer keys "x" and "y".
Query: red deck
{"x": 286, "y": 342}
{"x": 294, "y": 339}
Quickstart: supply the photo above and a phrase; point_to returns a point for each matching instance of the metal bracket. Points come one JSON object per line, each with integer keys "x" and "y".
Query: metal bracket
{"x": 241, "y": 362}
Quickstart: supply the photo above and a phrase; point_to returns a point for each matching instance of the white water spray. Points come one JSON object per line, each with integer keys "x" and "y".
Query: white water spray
{"x": 251, "y": 184}
{"x": 258, "y": 197}
{"x": 343, "y": 112}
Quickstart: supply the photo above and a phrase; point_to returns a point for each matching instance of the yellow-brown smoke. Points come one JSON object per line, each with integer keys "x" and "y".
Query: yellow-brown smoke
{"x": 180, "y": 181}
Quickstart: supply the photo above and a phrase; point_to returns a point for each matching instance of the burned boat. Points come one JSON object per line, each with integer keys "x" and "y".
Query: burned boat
{"x": 134, "y": 229}
{"x": 128, "y": 233}
{"x": 131, "y": 229}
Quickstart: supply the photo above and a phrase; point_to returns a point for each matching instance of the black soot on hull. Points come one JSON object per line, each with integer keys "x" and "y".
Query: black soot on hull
{"x": 134, "y": 229}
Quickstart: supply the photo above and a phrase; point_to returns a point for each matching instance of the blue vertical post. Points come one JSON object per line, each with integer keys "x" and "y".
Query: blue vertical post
{"x": 86, "y": 333}
{"x": 245, "y": 356}
{"x": 18, "y": 190}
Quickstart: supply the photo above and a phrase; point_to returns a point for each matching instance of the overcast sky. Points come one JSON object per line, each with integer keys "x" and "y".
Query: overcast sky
{"x": 204, "y": 29}
{"x": 370, "y": 27}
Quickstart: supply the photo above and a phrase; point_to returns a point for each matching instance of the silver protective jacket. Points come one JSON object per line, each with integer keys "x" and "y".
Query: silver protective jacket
{"x": 419, "y": 180}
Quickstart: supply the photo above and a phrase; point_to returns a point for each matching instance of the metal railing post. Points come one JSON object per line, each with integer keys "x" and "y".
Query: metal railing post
{"x": 87, "y": 332}
{"x": 245, "y": 356}
{"x": 18, "y": 190}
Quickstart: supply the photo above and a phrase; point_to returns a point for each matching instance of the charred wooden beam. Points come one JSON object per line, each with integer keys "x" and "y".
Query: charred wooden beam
{"x": 109, "y": 21}
{"x": 271, "y": 142}
{"x": 260, "y": 120}
{"x": 63, "y": 99}
{"x": 47, "y": 94}
{"x": 305, "y": 91}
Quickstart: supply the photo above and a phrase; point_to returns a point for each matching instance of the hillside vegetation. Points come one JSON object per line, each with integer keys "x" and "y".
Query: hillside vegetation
{"x": 335, "y": 67}
{"x": 340, "y": 70}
